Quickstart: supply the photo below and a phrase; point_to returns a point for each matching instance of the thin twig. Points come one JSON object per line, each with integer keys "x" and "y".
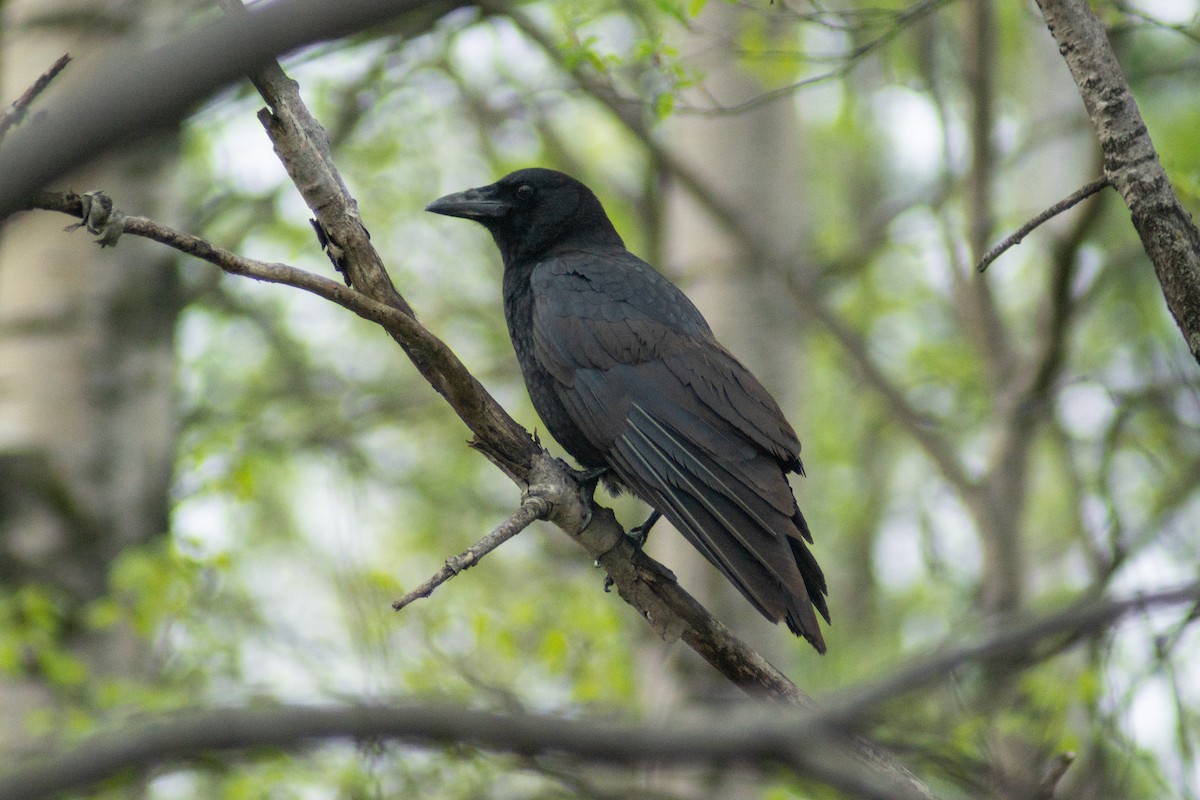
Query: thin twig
{"x": 1062, "y": 205}
{"x": 16, "y": 112}
{"x": 532, "y": 508}
{"x": 849, "y": 59}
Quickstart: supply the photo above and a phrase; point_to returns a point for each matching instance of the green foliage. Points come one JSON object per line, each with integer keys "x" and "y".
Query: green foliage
{"x": 319, "y": 478}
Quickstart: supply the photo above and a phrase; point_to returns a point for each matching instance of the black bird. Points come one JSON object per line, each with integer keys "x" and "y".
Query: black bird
{"x": 626, "y": 375}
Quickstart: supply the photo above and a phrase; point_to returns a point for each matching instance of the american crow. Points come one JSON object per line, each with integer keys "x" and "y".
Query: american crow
{"x": 627, "y": 376}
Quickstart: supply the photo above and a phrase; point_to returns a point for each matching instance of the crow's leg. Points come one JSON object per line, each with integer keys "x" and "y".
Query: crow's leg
{"x": 642, "y": 532}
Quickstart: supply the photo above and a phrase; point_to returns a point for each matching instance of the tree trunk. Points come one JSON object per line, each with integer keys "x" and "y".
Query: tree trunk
{"x": 749, "y": 160}
{"x": 87, "y": 420}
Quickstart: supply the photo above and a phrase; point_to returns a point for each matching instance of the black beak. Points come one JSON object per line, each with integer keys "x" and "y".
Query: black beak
{"x": 479, "y": 204}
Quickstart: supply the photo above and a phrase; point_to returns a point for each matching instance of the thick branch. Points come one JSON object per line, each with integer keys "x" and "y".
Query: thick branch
{"x": 811, "y": 741}
{"x": 114, "y": 106}
{"x": 1168, "y": 234}
{"x": 802, "y": 741}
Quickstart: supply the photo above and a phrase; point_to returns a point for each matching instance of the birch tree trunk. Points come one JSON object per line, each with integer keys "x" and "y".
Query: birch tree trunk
{"x": 86, "y": 371}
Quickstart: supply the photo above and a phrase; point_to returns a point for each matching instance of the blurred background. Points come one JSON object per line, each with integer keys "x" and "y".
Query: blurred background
{"x": 211, "y": 490}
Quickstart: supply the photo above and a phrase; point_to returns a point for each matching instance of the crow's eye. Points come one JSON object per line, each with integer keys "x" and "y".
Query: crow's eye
{"x": 524, "y": 192}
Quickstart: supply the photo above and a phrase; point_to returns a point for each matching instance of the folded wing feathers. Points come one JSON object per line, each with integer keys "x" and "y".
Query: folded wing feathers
{"x": 738, "y": 531}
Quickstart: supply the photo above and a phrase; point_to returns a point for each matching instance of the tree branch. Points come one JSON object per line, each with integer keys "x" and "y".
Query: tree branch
{"x": 1016, "y": 644}
{"x": 640, "y": 580}
{"x": 532, "y": 508}
{"x": 1131, "y": 164}
{"x": 816, "y": 742}
{"x": 114, "y": 107}
{"x": 20, "y": 107}
{"x": 1014, "y": 238}
{"x": 801, "y": 740}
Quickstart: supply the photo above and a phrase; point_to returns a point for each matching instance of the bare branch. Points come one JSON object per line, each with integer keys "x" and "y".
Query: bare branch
{"x": 816, "y": 742}
{"x": 759, "y": 736}
{"x": 1075, "y": 198}
{"x": 1017, "y": 644}
{"x": 1169, "y": 236}
{"x": 532, "y": 508}
{"x": 20, "y": 107}
{"x": 114, "y": 107}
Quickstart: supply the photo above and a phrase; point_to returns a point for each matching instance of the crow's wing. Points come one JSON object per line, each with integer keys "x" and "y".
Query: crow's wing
{"x": 681, "y": 422}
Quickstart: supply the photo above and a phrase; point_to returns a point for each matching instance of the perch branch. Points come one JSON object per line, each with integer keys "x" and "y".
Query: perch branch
{"x": 640, "y": 580}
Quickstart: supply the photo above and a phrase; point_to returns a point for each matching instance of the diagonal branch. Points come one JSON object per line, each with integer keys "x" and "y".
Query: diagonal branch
{"x": 1015, "y": 238}
{"x": 532, "y": 508}
{"x": 1169, "y": 236}
{"x": 20, "y": 107}
{"x": 640, "y": 580}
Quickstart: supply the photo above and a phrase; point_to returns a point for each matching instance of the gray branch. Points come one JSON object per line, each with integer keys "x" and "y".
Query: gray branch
{"x": 533, "y": 507}
{"x": 114, "y": 107}
{"x": 16, "y": 112}
{"x": 816, "y": 742}
{"x": 1131, "y": 165}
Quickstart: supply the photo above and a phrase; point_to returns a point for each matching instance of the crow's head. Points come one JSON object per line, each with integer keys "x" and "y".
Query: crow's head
{"x": 531, "y": 211}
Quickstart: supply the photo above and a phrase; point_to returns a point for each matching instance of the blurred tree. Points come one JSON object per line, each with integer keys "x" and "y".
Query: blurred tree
{"x": 87, "y": 406}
